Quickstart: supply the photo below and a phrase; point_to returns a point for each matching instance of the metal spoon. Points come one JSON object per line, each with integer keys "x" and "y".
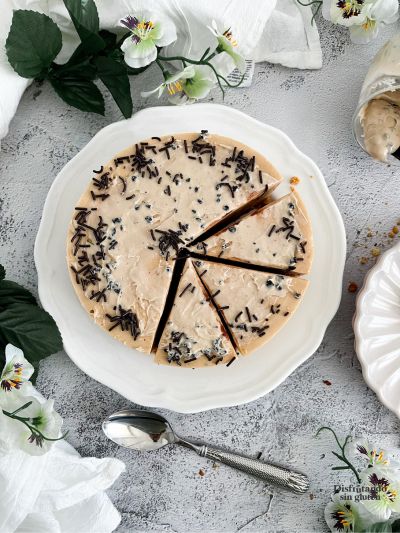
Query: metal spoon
{"x": 146, "y": 431}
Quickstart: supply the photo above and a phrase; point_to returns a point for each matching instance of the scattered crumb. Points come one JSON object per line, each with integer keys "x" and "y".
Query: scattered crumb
{"x": 215, "y": 466}
{"x": 311, "y": 496}
{"x": 375, "y": 251}
{"x": 363, "y": 260}
{"x": 327, "y": 382}
{"x": 202, "y": 472}
{"x": 311, "y": 177}
{"x": 294, "y": 180}
{"x": 259, "y": 455}
{"x": 352, "y": 287}
{"x": 369, "y": 234}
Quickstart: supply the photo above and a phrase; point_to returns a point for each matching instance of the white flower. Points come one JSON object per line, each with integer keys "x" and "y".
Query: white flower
{"x": 362, "y": 17}
{"x": 16, "y": 371}
{"x": 343, "y": 515}
{"x": 374, "y": 456}
{"x": 148, "y": 32}
{"x": 187, "y": 85}
{"x": 227, "y": 44}
{"x": 39, "y": 420}
{"x": 384, "y": 494}
{"x": 377, "y": 13}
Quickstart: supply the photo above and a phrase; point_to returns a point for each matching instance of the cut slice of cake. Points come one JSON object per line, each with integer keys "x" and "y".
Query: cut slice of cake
{"x": 194, "y": 335}
{"x": 255, "y": 305}
{"x": 277, "y": 235}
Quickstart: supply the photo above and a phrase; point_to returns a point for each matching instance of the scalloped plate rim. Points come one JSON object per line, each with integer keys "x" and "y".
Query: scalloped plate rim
{"x": 359, "y": 339}
{"x": 316, "y": 331}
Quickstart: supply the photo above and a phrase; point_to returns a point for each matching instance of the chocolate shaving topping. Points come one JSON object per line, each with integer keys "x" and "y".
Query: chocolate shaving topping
{"x": 127, "y": 320}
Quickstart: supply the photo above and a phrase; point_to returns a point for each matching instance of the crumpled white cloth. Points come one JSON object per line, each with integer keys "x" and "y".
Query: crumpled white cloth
{"x": 58, "y": 492}
{"x": 278, "y": 31}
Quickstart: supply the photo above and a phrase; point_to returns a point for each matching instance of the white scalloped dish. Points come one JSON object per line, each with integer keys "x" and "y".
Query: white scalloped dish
{"x": 377, "y": 329}
{"x": 134, "y": 374}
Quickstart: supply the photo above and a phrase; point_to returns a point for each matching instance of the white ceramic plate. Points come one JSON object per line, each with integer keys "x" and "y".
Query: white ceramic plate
{"x": 377, "y": 329}
{"x": 135, "y": 375}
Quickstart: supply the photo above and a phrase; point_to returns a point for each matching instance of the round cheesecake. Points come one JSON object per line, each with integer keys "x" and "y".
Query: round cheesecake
{"x": 139, "y": 212}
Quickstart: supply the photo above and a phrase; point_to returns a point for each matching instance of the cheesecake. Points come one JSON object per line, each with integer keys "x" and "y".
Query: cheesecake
{"x": 255, "y": 305}
{"x": 194, "y": 335}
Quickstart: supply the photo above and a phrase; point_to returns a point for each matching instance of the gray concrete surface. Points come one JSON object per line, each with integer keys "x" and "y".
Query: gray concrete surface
{"x": 164, "y": 491}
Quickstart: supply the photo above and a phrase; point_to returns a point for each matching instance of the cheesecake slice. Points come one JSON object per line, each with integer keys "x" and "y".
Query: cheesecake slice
{"x": 255, "y": 305}
{"x": 194, "y": 335}
{"x": 277, "y": 235}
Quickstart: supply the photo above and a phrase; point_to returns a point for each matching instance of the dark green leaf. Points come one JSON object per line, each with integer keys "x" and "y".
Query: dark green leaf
{"x": 11, "y": 293}
{"x": 396, "y": 526}
{"x": 109, "y": 38}
{"x": 33, "y": 43}
{"x": 82, "y": 69}
{"x": 30, "y": 328}
{"x": 86, "y": 21}
{"x": 84, "y": 13}
{"x": 80, "y": 93}
{"x": 115, "y": 78}
{"x": 2, "y": 272}
{"x": 340, "y": 468}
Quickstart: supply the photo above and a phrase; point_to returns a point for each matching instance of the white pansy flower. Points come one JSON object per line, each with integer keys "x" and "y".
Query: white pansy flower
{"x": 194, "y": 87}
{"x": 374, "y": 456}
{"x": 227, "y": 44}
{"x": 362, "y": 17}
{"x": 35, "y": 421}
{"x": 377, "y": 13}
{"x": 16, "y": 371}
{"x": 147, "y": 32}
{"x": 384, "y": 493}
{"x": 172, "y": 82}
{"x": 342, "y": 515}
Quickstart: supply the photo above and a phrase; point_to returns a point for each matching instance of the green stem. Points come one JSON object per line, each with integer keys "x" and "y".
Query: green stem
{"x": 163, "y": 70}
{"x": 342, "y": 447}
{"x": 32, "y": 429}
{"x": 203, "y": 62}
{"x": 311, "y": 3}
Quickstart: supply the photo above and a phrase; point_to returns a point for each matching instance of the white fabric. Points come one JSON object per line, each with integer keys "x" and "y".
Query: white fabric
{"x": 278, "y": 31}
{"x": 59, "y": 492}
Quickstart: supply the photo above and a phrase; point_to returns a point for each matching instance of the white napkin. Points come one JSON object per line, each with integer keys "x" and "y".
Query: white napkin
{"x": 278, "y": 31}
{"x": 58, "y": 492}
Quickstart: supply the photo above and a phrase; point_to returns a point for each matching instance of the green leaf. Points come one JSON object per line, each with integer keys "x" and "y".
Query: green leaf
{"x": 77, "y": 67}
{"x": 396, "y": 526}
{"x": 115, "y": 78}
{"x": 11, "y": 293}
{"x": 2, "y": 272}
{"x": 32, "y": 44}
{"x": 86, "y": 21}
{"x": 31, "y": 329}
{"x": 80, "y": 93}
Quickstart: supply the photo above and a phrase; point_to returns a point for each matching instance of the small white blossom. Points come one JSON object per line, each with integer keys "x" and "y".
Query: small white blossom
{"x": 342, "y": 515}
{"x": 362, "y": 17}
{"x": 227, "y": 44}
{"x": 16, "y": 371}
{"x": 147, "y": 32}
{"x": 384, "y": 491}
{"x": 185, "y": 86}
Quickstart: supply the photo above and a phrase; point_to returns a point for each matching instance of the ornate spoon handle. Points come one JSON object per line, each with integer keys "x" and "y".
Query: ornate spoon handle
{"x": 288, "y": 479}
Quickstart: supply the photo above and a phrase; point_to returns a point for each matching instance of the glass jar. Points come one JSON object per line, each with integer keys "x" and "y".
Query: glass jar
{"x": 376, "y": 122}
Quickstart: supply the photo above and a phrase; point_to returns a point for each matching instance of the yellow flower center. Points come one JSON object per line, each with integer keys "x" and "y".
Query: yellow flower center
{"x": 174, "y": 87}
{"x": 228, "y": 35}
{"x": 368, "y": 24}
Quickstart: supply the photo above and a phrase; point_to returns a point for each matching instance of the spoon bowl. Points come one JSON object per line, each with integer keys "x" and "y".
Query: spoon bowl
{"x": 138, "y": 430}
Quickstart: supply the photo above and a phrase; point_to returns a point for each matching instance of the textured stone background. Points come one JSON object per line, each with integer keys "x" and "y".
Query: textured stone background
{"x": 164, "y": 491}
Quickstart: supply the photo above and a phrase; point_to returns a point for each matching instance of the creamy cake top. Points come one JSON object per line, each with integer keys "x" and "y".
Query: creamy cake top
{"x": 277, "y": 236}
{"x": 194, "y": 335}
{"x": 254, "y": 304}
{"x": 140, "y": 208}
{"x": 381, "y": 124}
